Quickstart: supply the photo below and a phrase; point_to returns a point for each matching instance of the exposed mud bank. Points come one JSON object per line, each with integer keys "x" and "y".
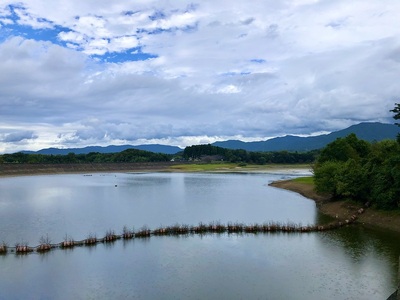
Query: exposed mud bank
{"x": 42, "y": 169}
{"x": 389, "y": 220}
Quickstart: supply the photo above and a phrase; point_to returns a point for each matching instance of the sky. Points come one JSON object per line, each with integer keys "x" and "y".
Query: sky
{"x": 78, "y": 73}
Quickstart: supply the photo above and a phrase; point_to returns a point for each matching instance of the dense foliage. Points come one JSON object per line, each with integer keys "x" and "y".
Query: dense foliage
{"x": 356, "y": 169}
{"x": 206, "y": 153}
{"x": 129, "y": 155}
{"x": 210, "y": 152}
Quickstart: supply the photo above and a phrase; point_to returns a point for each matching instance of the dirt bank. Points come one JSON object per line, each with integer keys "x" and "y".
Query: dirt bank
{"x": 41, "y": 169}
{"x": 389, "y": 220}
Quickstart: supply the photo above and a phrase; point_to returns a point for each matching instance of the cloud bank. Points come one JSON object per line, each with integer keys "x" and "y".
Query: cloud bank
{"x": 77, "y": 73}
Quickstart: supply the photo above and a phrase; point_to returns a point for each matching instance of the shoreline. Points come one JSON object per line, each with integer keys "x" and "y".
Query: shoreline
{"x": 388, "y": 220}
{"x": 11, "y": 170}
{"x": 343, "y": 209}
{"x": 26, "y": 169}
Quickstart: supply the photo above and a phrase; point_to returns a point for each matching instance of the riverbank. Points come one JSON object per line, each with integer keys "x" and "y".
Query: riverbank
{"x": 388, "y": 220}
{"x": 7, "y": 170}
{"x": 48, "y": 169}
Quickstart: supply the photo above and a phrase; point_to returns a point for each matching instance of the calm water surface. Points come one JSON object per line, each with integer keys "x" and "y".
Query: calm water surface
{"x": 351, "y": 263}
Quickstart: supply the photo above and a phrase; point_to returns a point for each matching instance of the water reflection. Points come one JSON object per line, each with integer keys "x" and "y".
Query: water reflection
{"x": 76, "y": 204}
{"x": 359, "y": 240}
{"x": 350, "y": 263}
{"x": 293, "y": 266}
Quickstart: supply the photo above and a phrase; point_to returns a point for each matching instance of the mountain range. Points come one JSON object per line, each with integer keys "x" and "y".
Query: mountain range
{"x": 156, "y": 148}
{"x": 366, "y": 131}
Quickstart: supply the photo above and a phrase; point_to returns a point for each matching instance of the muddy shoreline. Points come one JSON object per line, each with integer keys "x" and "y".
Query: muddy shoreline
{"x": 388, "y": 220}
{"x": 7, "y": 170}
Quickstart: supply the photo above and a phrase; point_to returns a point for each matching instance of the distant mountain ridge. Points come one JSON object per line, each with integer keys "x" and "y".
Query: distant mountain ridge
{"x": 156, "y": 148}
{"x": 365, "y": 131}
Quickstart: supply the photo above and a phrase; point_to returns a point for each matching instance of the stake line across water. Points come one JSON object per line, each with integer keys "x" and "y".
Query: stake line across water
{"x": 175, "y": 230}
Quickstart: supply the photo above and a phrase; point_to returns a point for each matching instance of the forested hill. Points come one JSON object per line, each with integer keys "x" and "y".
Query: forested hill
{"x": 109, "y": 149}
{"x": 366, "y": 131}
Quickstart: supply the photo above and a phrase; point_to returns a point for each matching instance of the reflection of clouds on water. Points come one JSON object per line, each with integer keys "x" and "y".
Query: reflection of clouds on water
{"x": 358, "y": 240}
{"x": 78, "y": 204}
{"x": 145, "y": 179}
{"x": 365, "y": 254}
{"x": 352, "y": 263}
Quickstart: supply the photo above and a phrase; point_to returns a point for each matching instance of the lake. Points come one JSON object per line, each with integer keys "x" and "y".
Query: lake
{"x": 349, "y": 263}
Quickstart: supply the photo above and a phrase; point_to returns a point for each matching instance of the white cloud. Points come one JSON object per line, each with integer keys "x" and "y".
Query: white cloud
{"x": 229, "y": 89}
{"x": 122, "y": 43}
{"x": 17, "y": 136}
{"x": 220, "y": 70}
{"x": 72, "y": 36}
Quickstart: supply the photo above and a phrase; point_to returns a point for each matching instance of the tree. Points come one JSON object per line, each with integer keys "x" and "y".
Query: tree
{"x": 352, "y": 181}
{"x": 352, "y": 168}
{"x": 384, "y": 175}
{"x": 339, "y": 169}
{"x": 396, "y": 111}
{"x": 343, "y": 149}
{"x": 325, "y": 177}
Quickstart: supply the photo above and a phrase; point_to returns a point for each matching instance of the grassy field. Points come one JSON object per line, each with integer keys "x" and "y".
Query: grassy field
{"x": 306, "y": 180}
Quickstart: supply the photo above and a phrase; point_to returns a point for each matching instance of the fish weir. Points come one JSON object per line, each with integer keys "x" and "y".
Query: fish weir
{"x": 215, "y": 227}
{"x": 23, "y": 249}
{"x": 127, "y": 233}
{"x": 3, "y": 248}
{"x": 110, "y": 237}
{"x": 144, "y": 232}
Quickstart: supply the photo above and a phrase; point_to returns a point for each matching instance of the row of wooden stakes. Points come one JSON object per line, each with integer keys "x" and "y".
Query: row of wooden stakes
{"x": 213, "y": 227}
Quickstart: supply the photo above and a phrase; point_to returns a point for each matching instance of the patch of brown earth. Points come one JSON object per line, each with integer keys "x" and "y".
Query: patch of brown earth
{"x": 343, "y": 209}
{"x": 40, "y": 169}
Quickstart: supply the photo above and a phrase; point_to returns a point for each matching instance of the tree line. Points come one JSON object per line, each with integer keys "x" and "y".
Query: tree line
{"x": 362, "y": 171}
{"x": 129, "y": 155}
{"x": 205, "y": 153}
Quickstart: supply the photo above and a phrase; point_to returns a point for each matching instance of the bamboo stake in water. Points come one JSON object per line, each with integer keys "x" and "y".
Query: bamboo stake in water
{"x": 398, "y": 282}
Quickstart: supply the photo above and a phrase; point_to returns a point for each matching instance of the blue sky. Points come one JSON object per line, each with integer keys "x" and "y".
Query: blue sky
{"x": 50, "y": 31}
{"x": 78, "y": 73}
